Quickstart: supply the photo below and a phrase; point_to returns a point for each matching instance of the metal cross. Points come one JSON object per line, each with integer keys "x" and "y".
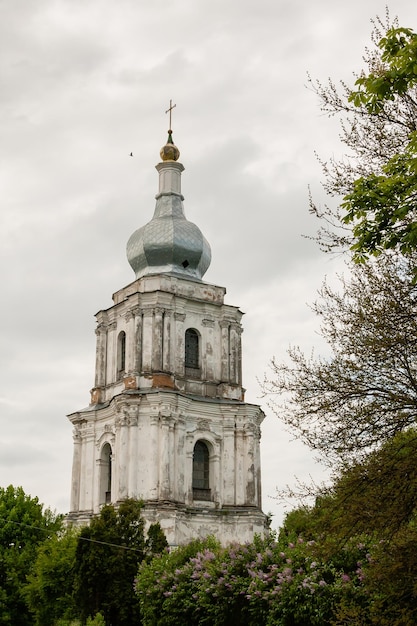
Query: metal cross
{"x": 171, "y": 106}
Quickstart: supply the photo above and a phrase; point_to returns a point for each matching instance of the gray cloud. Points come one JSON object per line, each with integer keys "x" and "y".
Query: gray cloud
{"x": 84, "y": 84}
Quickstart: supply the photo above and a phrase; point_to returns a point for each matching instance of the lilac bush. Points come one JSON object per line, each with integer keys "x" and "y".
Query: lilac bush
{"x": 267, "y": 582}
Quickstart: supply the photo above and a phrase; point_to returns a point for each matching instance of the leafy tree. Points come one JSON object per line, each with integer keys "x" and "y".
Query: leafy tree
{"x": 382, "y": 205}
{"x": 366, "y": 390}
{"x": 50, "y": 589}
{"x": 107, "y": 557}
{"x": 376, "y": 497}
{"x": 24, "y": 526}
{"x": 376, "y": 177}
{"x": 98, "y": 620}
{"x": 392, "y": 580}
{"x": 156, "y": 541}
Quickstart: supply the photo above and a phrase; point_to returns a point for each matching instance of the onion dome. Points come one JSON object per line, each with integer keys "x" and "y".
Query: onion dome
{"x": 169, "y": 243}
{"x": 170, "y": 152}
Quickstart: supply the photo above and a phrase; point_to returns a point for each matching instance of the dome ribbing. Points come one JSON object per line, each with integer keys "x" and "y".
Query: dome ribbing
{"x": 169, "y": 243}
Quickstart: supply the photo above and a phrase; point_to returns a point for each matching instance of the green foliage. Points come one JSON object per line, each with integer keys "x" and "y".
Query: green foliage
{"x": 376, "y": 497}
{"x": 24, "y": 526}
{"x": 376, "y": 176}
{"x": 107, "y": 557}
{"x": 381, "y": 205}
{"x": 98, "y": 620}
{"x": 50, "y": 589}
{"x": 262, "y": 583}
{"x": 156, "y": 579}
{"x": 156, "y": 542}
{"x": 392, "y": 580}
{"x": 396, "y": 73}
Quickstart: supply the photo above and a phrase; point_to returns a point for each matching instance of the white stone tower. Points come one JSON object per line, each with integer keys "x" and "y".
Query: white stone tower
{"x": 167, "y": 421}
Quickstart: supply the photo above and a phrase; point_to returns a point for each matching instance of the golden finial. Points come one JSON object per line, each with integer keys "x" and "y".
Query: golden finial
{"x": 170, "y": 152}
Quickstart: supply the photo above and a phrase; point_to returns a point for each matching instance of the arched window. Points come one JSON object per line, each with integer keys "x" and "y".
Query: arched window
{"x": 201, "y": 472}
{"x": 121, "y": 354}
{"x": 192, "y": 349}
{"x": 105, "y": 474}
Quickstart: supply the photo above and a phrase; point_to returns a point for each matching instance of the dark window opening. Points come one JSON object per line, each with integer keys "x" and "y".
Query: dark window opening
{"x": 201, "y": 472}
{"x": 106, "y": 474}
{"x": 121, "y": 353}
{"x": 185, "y": 264}
{"x": 191, "y": 349}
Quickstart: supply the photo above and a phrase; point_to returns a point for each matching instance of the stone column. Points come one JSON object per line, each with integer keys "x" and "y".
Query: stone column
{"x": 179, "y": 353}
{"x": 180, "y": 490}
{"x": 239, "y": 464}
{"x": 235, "y": 354}
{"x": 147, "y": 346}
{"x": 76, "y": 470}
{"x": 228, "y": 495}
{"x": 88, "y": 500}
{"x": 257, "y": 459}
{"x": 153, "y": 467}
{"x": 122, "y": 452}
{"x": 239, "y": 356}
{"x": 215, "y": 473}
{"x": 101, "y": 348}
{"x": 157, "y": 339}
{"x": 133, "y": 451}
{"x": 250, "y": 462}
{"x": 224, "y": 352}
{"x": 188, "y": 474}
{"x": 165, "y": 460}
{"x": 166, "y": 354}
{"x": 208, "y": 353}
{"x": 138, "y": 341}
{"x": 130, "y": 342}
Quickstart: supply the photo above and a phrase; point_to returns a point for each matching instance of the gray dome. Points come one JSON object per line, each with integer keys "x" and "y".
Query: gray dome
{"x": 169, "y": 243}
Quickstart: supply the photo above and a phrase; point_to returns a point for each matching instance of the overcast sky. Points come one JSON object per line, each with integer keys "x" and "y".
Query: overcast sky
{"x": 85, "y": 82}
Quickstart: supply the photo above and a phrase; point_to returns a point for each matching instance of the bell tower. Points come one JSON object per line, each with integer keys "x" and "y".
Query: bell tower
{"x": 167, "y": 422}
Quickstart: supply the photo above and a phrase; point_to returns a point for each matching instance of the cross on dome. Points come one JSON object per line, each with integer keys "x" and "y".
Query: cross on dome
{"x": 171, "y": 106}
{"x": 170, "y": 152}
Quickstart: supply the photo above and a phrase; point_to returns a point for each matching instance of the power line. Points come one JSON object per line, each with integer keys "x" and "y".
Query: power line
{"x": 80, "y": 538}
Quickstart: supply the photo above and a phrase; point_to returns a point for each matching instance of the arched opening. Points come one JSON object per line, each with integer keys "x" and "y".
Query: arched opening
{"x": 105, "y": 474}
{"x": 192, "y": 351}
{"x": 121, "y": 354}
{"x": 201, "y": 472}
